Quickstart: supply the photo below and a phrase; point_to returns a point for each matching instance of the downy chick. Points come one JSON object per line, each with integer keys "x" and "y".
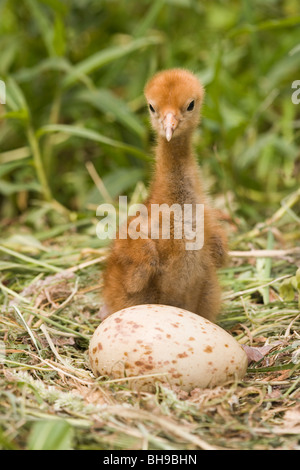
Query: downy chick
{"x": 164, "y": 271}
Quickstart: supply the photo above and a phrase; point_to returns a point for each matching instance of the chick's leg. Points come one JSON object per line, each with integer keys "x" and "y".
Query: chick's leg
{"x": 132, "y": 267}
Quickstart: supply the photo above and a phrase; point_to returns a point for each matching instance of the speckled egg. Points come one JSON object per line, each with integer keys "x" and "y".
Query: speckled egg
{"x": 166, "y": 344}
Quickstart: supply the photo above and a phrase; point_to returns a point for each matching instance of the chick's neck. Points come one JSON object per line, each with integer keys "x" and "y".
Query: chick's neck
{"x": 176, "y": 178}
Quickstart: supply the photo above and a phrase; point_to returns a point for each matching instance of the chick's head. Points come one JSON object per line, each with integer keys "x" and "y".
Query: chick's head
{"x": 174, "y": 98}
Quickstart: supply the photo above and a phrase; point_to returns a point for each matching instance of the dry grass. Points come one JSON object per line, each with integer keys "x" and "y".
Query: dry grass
{"x": 75, "y": 130}
{"x": 51, "y": 295}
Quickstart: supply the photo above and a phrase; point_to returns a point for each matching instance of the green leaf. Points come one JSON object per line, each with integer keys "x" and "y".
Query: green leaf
{"x": 18, "y": 241}
{"x": 14, "y": 155}
{"x": 253, "y": 152}
{"x": 298, "y": 279}
{"x": 9, "y": 47}
{"x": 56, "y": 5}
{"x": 116, "y": 183}
{"x": 286, "y": 290}
{"x": 43, "y": 22}
{"x": 6, "y": 443}
{"x": 266, "y": 25}
{"x": 21, "y": 115}
{"x": 54, "y": 434}
{"x": 149, "y": 18}
{"x": 15, "y": 98}
{"x": 105, "y": 56}
{"x": 92, "y": 135}
{"x": 6, "y": 168}
{"x": 59, "y": 40}
{"x": 7, "y": 188}
{"x": 29, "y": 259}
{"x": 107, "y": 102}
{"x": 58, "y": 64}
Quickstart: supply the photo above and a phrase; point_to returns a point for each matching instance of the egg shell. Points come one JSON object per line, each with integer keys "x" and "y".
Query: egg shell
{"x": 187, "y": 350}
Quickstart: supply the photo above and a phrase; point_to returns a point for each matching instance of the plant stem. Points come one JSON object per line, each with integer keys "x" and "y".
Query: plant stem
{"x": 38, "y": 163}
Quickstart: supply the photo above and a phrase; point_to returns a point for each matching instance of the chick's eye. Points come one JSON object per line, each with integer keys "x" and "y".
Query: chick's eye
{"x": 191, "y": 106}
{"x": 151, "y": 108}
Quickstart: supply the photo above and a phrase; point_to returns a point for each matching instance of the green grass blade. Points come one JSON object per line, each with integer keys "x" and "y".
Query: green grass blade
{"x": 27, "y": 328}
{"x": 43, "y": 23}
{"x": 105, "y": 101}
{"x": 16, "y": 100}
{"x": 105, "y": 56}
{"x": 57, "y": 64}
{"x": 92, "y": 135}
{"x": 54, "y": 434}
{"x": 27, "y": 259}
{"x": 266, "y": 25}
{"x": 14, "y": 155}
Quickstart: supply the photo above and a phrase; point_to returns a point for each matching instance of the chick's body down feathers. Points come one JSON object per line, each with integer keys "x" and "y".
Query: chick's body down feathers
{"x": 162, "y": 270}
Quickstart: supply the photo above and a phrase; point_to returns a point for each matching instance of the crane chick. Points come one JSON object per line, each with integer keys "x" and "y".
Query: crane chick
{"x": 161, "y": 270}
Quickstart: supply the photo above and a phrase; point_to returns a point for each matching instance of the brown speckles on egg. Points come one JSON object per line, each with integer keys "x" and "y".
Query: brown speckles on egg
{"x": 100, "y": 346}
{"x": 134, "y": 324}
{"x": 139, "y": 363}
{"x": 176, "y": 375}
{"x": 165, "y": 343}
{"x": 181, "y": 355}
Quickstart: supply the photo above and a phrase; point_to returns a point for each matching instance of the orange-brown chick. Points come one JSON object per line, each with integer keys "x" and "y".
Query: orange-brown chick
{"x": 163, "y": 271}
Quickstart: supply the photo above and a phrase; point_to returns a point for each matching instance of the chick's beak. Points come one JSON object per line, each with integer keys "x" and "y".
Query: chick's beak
{"x": 170, "y": 124}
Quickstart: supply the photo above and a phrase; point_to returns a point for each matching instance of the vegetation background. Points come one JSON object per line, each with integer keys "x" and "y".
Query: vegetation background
{"x": 74, "y": 132}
